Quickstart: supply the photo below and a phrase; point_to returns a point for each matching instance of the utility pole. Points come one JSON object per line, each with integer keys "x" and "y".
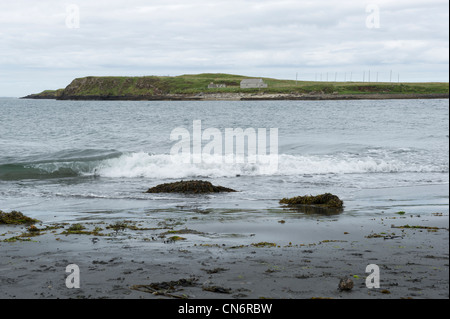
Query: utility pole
{"x": 335, "y": 77}
{"x": 364, "y": 76}
{"x": 296, "y": 77}
{"x": 390, "y": 78}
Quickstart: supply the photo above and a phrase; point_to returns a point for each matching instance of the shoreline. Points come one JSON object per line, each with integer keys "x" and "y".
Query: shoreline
{"x": 245, "y": 97}
{"x": 123, "y": 263}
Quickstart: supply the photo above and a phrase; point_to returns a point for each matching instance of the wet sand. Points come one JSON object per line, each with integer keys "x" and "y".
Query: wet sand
{"x": 227, "y": 259}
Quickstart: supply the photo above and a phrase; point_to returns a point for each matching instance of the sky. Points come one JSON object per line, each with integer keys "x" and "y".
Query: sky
{"x": 45, "y": 44}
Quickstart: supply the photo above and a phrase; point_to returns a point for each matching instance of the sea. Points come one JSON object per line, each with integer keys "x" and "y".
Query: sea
{"x": 66, "y": 161}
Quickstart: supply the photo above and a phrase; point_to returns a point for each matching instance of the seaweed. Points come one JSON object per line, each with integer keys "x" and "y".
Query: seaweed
{"x": 326, "y": 200}
{"x": 175, "y": 239}
{"x": 182, "y": 231}
{"x": 15, "y": 239}
{"x": 189, "y": 187}
{"x": 16, "y": 218}
{"x": 78, "y": 229}
{"x": 264, "y": 244}
{"x": 167, "y": 288}
{"x": 34, "y": 229}
{"x": 122, "y": 225}
{"x": 217, "y": 289}
{"x": 417, "y": 227}
{"x": 383, "y": 235}
{"x": 118, "y": 226}
{"x": 32, "y": 232}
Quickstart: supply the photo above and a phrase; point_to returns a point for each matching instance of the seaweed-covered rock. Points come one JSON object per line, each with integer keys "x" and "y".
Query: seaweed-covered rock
{"x": 15, "y": 218}
{"x": 345, "y": 284}
{"x": 325, "y": 200}
{"x": 189, "y": 187}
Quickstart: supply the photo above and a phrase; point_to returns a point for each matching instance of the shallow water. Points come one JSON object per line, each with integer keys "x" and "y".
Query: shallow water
{"x": 66, "y": 160}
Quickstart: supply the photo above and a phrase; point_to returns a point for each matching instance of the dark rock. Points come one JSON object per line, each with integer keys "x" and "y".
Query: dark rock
{"x": 324, "y": 200}
{"x": 346, "y": 284}
{"x": 189, "y": 187}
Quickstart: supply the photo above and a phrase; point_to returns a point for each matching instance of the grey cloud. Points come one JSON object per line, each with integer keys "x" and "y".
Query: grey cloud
{"x": 255, "y": 37}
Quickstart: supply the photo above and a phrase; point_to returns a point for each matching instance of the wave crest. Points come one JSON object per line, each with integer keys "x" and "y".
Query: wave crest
{"x": 163, "y": 166}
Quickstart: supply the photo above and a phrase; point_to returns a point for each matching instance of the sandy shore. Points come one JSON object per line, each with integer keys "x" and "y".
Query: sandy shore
{"x": 133, "y": 261}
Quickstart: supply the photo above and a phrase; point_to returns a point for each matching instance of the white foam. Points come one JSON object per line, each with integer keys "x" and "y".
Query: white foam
{"x": 160, "y": 166}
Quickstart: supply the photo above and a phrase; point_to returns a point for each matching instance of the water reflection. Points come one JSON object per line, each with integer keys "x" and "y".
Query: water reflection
{"x": 314, "y": 210}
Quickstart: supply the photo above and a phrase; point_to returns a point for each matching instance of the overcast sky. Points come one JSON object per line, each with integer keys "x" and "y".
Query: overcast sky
{"x": 45, "y": 44}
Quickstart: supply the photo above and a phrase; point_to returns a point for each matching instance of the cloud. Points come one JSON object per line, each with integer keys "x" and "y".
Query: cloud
{"x": 254, "y": 37}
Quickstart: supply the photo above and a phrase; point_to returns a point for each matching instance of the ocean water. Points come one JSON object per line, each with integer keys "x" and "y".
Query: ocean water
{"x": 70, "y": 160}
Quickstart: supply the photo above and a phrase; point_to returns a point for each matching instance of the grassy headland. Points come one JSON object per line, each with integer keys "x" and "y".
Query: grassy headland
{"x": 196, "y": 87}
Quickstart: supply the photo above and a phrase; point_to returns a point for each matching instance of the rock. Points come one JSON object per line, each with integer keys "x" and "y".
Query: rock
{"x": 324, "y": 200}
{"x": 189, "y": 187}
{"x": 15, "y": 218}
{"x": 346, "y": 284}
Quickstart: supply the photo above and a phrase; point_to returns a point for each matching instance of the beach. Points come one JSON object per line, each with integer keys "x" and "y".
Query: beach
{"x": 413, "y": 262}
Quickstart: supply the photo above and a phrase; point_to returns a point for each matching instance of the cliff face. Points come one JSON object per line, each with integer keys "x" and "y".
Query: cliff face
{"x": 109, "y": 88}
{"x": 113, "y": 87}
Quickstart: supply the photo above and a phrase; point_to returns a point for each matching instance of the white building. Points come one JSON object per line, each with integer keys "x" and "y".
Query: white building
{"x": 253, "y": 84}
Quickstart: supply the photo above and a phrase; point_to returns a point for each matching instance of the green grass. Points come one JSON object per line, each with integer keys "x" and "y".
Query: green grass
{"x": 198, "y": 83}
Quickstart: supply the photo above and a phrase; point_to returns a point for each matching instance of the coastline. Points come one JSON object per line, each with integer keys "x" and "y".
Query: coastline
{"x": 120, "y": 264}
{"x": 242, "y": 97}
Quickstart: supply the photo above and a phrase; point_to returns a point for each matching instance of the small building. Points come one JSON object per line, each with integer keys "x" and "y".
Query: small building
{"x": 216, "y": 86}
{"x": 253, "y": 84}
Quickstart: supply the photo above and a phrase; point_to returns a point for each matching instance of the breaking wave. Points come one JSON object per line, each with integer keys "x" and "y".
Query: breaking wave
{"x": 163, "y": 166}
